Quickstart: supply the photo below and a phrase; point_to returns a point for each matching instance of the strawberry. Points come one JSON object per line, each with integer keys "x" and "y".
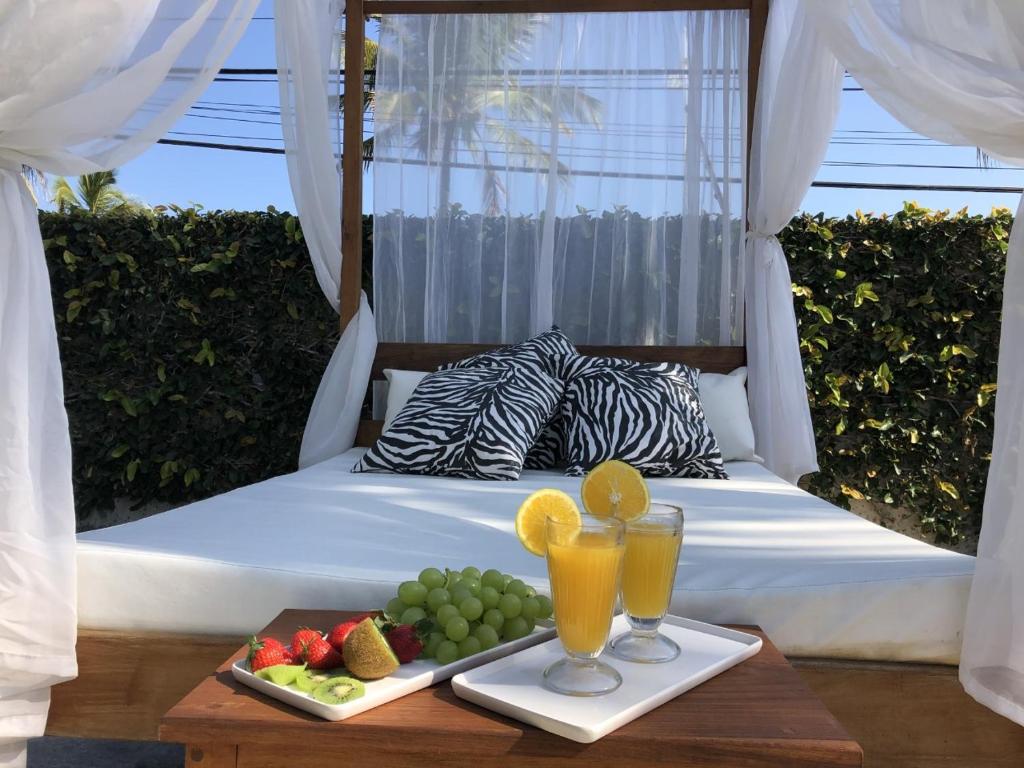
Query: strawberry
{"x": 302, "y": 638}
{"x": 405, "y": 642}
{"x": 267, "y": 653}
{"x": 319, "y": 654}
{"x": 336, "y": 637}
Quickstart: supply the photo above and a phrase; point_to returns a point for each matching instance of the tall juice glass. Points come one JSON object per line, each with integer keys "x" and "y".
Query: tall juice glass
{"x": 584, "y": 566}
{"x": 649, "y": 572}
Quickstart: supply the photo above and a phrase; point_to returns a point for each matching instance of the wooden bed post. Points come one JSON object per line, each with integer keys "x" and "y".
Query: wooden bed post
{"x": 352, "y": 164}
{"x": 755, "y": 42}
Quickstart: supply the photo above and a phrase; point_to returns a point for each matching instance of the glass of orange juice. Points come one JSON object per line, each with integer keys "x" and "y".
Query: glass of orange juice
{"x": 584, "y": 567}
{"x": 649, "y": 572}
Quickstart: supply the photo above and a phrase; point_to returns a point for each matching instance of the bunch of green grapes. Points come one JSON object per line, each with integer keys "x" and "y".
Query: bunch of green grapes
{"x": 470, "y": 611}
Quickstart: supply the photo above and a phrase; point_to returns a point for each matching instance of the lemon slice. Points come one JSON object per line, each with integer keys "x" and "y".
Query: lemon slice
{"x": 531, "y": 519}
{"x": 613, "y": 488}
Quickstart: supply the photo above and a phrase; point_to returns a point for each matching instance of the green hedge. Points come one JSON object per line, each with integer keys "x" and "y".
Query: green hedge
{"x": 192, "y": 347}
{"x": 193, "y": 344}
{"x": 899, "y": 326}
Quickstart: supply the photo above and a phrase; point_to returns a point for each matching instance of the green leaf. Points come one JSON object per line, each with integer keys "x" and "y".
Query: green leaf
{"x": 119, "y": 451}
{"x": 948, "y": 488}
{"x": 74, "y": 309}
{"x": 132, "y": 468}
{"x": 864, "y": 293}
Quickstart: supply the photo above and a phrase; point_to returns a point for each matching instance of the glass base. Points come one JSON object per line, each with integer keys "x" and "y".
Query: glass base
{"x": 644, "y": 649}
{"x": 581, "y": 677}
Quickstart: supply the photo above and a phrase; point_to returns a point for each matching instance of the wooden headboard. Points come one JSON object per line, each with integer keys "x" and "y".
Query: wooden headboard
{"x": 427, "y": 357}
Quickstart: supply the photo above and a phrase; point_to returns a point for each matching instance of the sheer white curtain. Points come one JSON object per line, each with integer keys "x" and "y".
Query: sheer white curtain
{"x": 307, "y": 34}
{"x": 84, "y": 86}
{"x": 582, "y": 169}
{"x": 954, "y": 71}
{"x": 798, "y": 92}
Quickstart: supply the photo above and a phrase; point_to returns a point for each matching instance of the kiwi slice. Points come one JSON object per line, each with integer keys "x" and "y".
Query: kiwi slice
{"x": 338, "y": 690}
{"x": 309, "y": 679}
{"x": 282, "y": 674}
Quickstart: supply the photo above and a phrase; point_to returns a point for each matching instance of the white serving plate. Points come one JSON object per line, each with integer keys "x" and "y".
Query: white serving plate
{"x": 512, "y": 686}
{"x": 406, "y": 679}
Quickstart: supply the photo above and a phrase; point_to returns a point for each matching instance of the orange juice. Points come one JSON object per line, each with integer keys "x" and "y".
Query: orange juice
{"x": 652, "y": 551}
{"x": 584, "y": 574}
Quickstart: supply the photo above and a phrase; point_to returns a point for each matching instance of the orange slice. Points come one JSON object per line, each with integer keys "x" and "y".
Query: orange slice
{"x": 531, "y": 519}
{"x": 615, "y": 489}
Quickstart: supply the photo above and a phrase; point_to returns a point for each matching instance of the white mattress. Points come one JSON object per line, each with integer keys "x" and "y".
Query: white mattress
{"x": 821, "y": 581}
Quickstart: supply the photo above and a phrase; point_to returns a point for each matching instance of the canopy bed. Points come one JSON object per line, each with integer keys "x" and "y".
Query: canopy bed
{"x": 873, "y": 618}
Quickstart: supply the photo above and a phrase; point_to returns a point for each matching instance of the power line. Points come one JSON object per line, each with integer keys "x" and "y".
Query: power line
{"x": 819, "y": 184}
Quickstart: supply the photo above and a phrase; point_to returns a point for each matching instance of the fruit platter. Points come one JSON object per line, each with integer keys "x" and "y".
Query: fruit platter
{"x": 441, "y": 624}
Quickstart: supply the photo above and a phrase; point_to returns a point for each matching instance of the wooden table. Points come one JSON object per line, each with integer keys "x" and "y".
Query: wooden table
{"x": 759, "y": 713}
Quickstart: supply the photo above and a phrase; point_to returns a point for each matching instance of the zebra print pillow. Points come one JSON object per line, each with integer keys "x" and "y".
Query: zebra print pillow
{"x": 548, "y": 352}
{"x": 646, "y": 414}
{"x": 477, "y": 423}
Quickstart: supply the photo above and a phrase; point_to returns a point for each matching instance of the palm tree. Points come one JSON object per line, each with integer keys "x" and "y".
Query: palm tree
{"x": 473, "y": 115}
{"x": 95, "y": 193}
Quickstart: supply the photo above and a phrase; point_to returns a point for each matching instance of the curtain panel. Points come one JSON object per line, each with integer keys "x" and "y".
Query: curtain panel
{"x": 579, "y": 169}
{"x": 954, "y": 71}
{"x": 307, "y": 42}
{"x": 84, "y": 86}
{"x": 798, "y": 91}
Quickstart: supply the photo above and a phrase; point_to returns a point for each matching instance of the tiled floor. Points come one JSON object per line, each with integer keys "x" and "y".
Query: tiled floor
{"x": 54, "y": 752}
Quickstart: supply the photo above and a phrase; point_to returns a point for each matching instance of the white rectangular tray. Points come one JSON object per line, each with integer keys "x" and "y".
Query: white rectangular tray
{"x": 512, "y": 686}
{"x": 406, "y": 679}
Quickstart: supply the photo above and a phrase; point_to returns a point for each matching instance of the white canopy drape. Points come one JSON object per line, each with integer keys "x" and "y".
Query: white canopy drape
{"x": 798, "y": 92}
{"x": 954, "y": 71}
{"x": 581, "y": 169}
{"x": 306, "y": 35}
{"x": 84, "y": 86}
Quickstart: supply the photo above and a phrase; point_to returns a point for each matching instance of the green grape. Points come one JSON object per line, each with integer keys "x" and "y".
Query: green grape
{"x": 472, "y": 584}
{"x": 468, "y": 646}
{"x": 451, "y": 578}
{"x": 494, "y": 618}
{"x": 446, "y": 652}
{"x": 412, "y": 593}
{"x": 530, "y": 625}
{"x": 510, "y": 606}
{"x": 395, "y": 607}
{"x": 459, "y": 593}
{"x": 431, "y": 578}
{"x": 489, "y": 596}
{"x": 470, "y": 572}
{"x": 487, "y": 636}
{"x": 530, "y": 591}
{"x": 457, "y": 629}
{"x": 434, "y": 639}
{"x": 445, "y": 614}
{"x": 545, "y": 607}
{"x": 517, "y": 588}
{"x": 471, "y": 608}
{"x": 506, "y": 579}
{"x": 437, "y": 597}
{"x": 516, "y": 628}
{"x": 412, "y": 615}
{"x": 493, "y": 579}
{"x": 531, "y": 608}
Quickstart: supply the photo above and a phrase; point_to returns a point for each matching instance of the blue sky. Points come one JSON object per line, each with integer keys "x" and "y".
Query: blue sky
{"x": 234, "y": 112}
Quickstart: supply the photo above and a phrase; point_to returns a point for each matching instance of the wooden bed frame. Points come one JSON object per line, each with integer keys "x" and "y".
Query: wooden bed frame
{"x": 903, "y": 715}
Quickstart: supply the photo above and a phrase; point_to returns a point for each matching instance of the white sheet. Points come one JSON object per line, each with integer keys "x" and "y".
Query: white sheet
{"x": 821, "y": 581}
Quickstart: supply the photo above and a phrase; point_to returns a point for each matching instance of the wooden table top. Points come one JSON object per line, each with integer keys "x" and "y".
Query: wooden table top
{"x": 759, "y": 713}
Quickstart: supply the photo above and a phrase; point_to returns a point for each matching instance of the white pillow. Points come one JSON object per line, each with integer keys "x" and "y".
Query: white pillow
{"x": 400, "y": 388}
{"x": 724, "y": 399}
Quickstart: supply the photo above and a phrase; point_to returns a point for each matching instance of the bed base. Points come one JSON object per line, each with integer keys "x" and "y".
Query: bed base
{"x": 903, "y": 715}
